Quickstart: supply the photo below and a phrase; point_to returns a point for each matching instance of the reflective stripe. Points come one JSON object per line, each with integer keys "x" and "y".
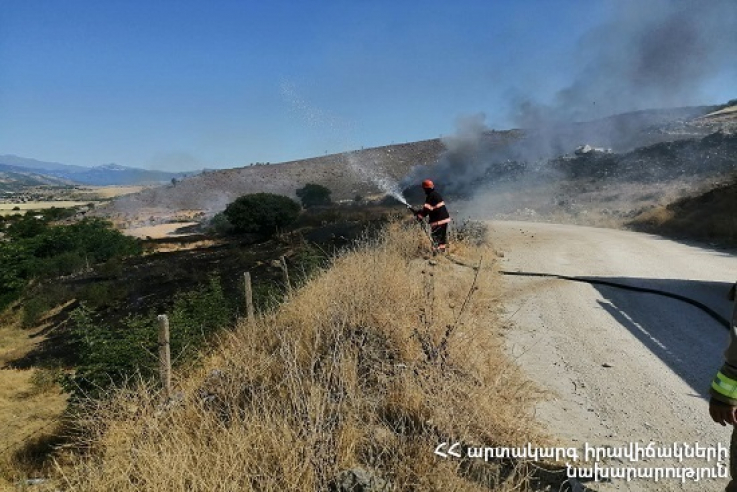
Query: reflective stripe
{"x": 430, "y": 207}
{"x": 725, "y": 386}
{"x": 440, "y": 222}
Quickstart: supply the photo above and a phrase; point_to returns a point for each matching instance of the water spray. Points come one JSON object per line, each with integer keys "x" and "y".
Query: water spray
{"x": 338, "y": 129}
{"x": 387, "y": 185}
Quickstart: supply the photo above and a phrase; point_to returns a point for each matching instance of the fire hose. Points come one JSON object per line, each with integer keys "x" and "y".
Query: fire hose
{"x": 593, "y": 281}
{"x": 421, "y": 224}
{"x": 712, "y": 313}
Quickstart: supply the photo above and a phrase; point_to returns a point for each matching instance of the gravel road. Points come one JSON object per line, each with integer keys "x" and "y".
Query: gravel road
{"x": 622, "y": 367}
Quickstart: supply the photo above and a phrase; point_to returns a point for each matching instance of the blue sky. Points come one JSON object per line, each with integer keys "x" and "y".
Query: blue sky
{"x": 180, "y": 85}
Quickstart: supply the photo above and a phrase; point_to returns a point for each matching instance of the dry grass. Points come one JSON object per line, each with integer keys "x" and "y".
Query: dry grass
{"x": 372, "y": 364}
{"x": 158, "y": 231}
{"x": 21, "y": 208}
{"x": 708, "y": 216}
{"x": 108, "y": 192}
{"x": 30, "y": 404}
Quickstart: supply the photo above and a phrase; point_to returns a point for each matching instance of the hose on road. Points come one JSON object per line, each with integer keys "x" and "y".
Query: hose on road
{"x": 706, "y": 309}
{"x": 716, "y": 316}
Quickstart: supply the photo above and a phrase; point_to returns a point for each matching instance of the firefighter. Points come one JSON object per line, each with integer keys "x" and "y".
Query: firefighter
{"x": 723, "y": 402}
{"x": 437, "y": 215}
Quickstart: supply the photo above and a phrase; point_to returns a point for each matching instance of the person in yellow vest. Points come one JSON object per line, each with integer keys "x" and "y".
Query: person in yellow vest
{"x": 437, "y": 215}
{"x": 723, "y": 391}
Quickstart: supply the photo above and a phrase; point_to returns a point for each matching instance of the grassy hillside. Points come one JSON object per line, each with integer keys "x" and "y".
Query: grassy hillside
{"x": 13, "y": 180}
{"x": 710, "y": 216}
{"x": 651, "y": 145}
{"x": 344, "y": 174}
{"x": 363, "y": 373}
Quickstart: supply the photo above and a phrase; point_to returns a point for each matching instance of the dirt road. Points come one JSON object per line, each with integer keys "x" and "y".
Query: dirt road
{"x": 622, "y": 366}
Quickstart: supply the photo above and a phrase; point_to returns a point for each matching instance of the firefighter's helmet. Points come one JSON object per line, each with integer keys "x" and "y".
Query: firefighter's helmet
{"x": 428, "y": 185}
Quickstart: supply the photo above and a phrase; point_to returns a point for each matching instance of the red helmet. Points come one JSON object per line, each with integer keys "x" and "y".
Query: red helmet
{"x": 428, "y": 185}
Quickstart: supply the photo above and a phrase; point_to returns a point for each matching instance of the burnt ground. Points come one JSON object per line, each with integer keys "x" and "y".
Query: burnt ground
{"x": 147, "y": 285}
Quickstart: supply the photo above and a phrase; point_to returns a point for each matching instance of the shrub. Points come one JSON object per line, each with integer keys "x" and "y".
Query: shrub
{"x": 99, "y": 295}
{"x": 473, "y": 232}
{"x": 262, "y": 213}
{"x": 107, "y": 356}
{"x": 26, "y": 227}
{"x": 111, "y": 355}
{"x": 220, "y": 224}
{"x": 196, "y": 316}
{"x": 38, "y": 251}
{"x": 44, "y": 379}
{"x": 33, "y": 311}
{"x": 314, "y": 195}
{"x": 55, "y": 213}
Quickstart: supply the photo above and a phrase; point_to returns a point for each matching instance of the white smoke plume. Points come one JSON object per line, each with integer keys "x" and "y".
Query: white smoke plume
{"x": 654, "y": 54}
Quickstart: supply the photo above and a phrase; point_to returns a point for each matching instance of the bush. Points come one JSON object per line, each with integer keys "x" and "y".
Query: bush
{"x": 33, "y": 311}
{"x": 99, "y": 295}
{"x": 473, "y": 232}
{"x": 38, "y": 250}
{"x": 111, "y": 355}
{"x": 314, "y": 195}
{"x": 54, "y": 213}
{"x": 26, "y": 227}
{"x": 262, "y": 213}
{"x": 220, "y": 224}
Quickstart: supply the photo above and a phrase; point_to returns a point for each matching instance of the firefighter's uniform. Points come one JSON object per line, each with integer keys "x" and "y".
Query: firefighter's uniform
{"x": 724, "y": 390}
{"x": 437, "y": 215}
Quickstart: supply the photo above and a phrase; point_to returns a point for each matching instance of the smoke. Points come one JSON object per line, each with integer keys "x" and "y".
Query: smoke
{"x": 655, "y": 54}
{"x": 659, "y": 53}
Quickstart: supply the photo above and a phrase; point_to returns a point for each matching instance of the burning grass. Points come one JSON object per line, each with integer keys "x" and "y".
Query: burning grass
{"x": 371, "y": 365}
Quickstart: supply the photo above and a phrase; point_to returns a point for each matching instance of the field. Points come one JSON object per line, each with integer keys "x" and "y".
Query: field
{"x": 158, "y": 231}
{"x": 20, "y": 208}
{"x": 43, "y": 197}
{"x": 108, "y": 192}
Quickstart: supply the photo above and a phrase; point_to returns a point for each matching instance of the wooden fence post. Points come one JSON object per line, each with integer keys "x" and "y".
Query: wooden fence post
{"x": 164, "y": 354}
{"x": 249, "y": 298}
{"x": 285, "y": 272}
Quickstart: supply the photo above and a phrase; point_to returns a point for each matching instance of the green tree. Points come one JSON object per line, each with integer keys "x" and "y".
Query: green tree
{"x": 38, "y": 250}
{"x": 26, "y": 227}
{"x": 314, "y": 195}
{"x": 262, "y": 213}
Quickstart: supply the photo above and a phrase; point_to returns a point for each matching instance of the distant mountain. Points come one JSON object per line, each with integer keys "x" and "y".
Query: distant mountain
{"x": 114, "y": 174}
{"x": 24, "y": 162}
{"x": 14, "y": 178}
{"x": 107, "y": 174}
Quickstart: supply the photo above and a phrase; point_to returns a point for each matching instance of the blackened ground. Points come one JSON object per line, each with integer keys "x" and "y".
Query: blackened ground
{"x": 147, "y": 285}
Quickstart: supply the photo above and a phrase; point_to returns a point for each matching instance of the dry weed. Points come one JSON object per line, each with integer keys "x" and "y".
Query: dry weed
{"x": 371, "y": 365}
